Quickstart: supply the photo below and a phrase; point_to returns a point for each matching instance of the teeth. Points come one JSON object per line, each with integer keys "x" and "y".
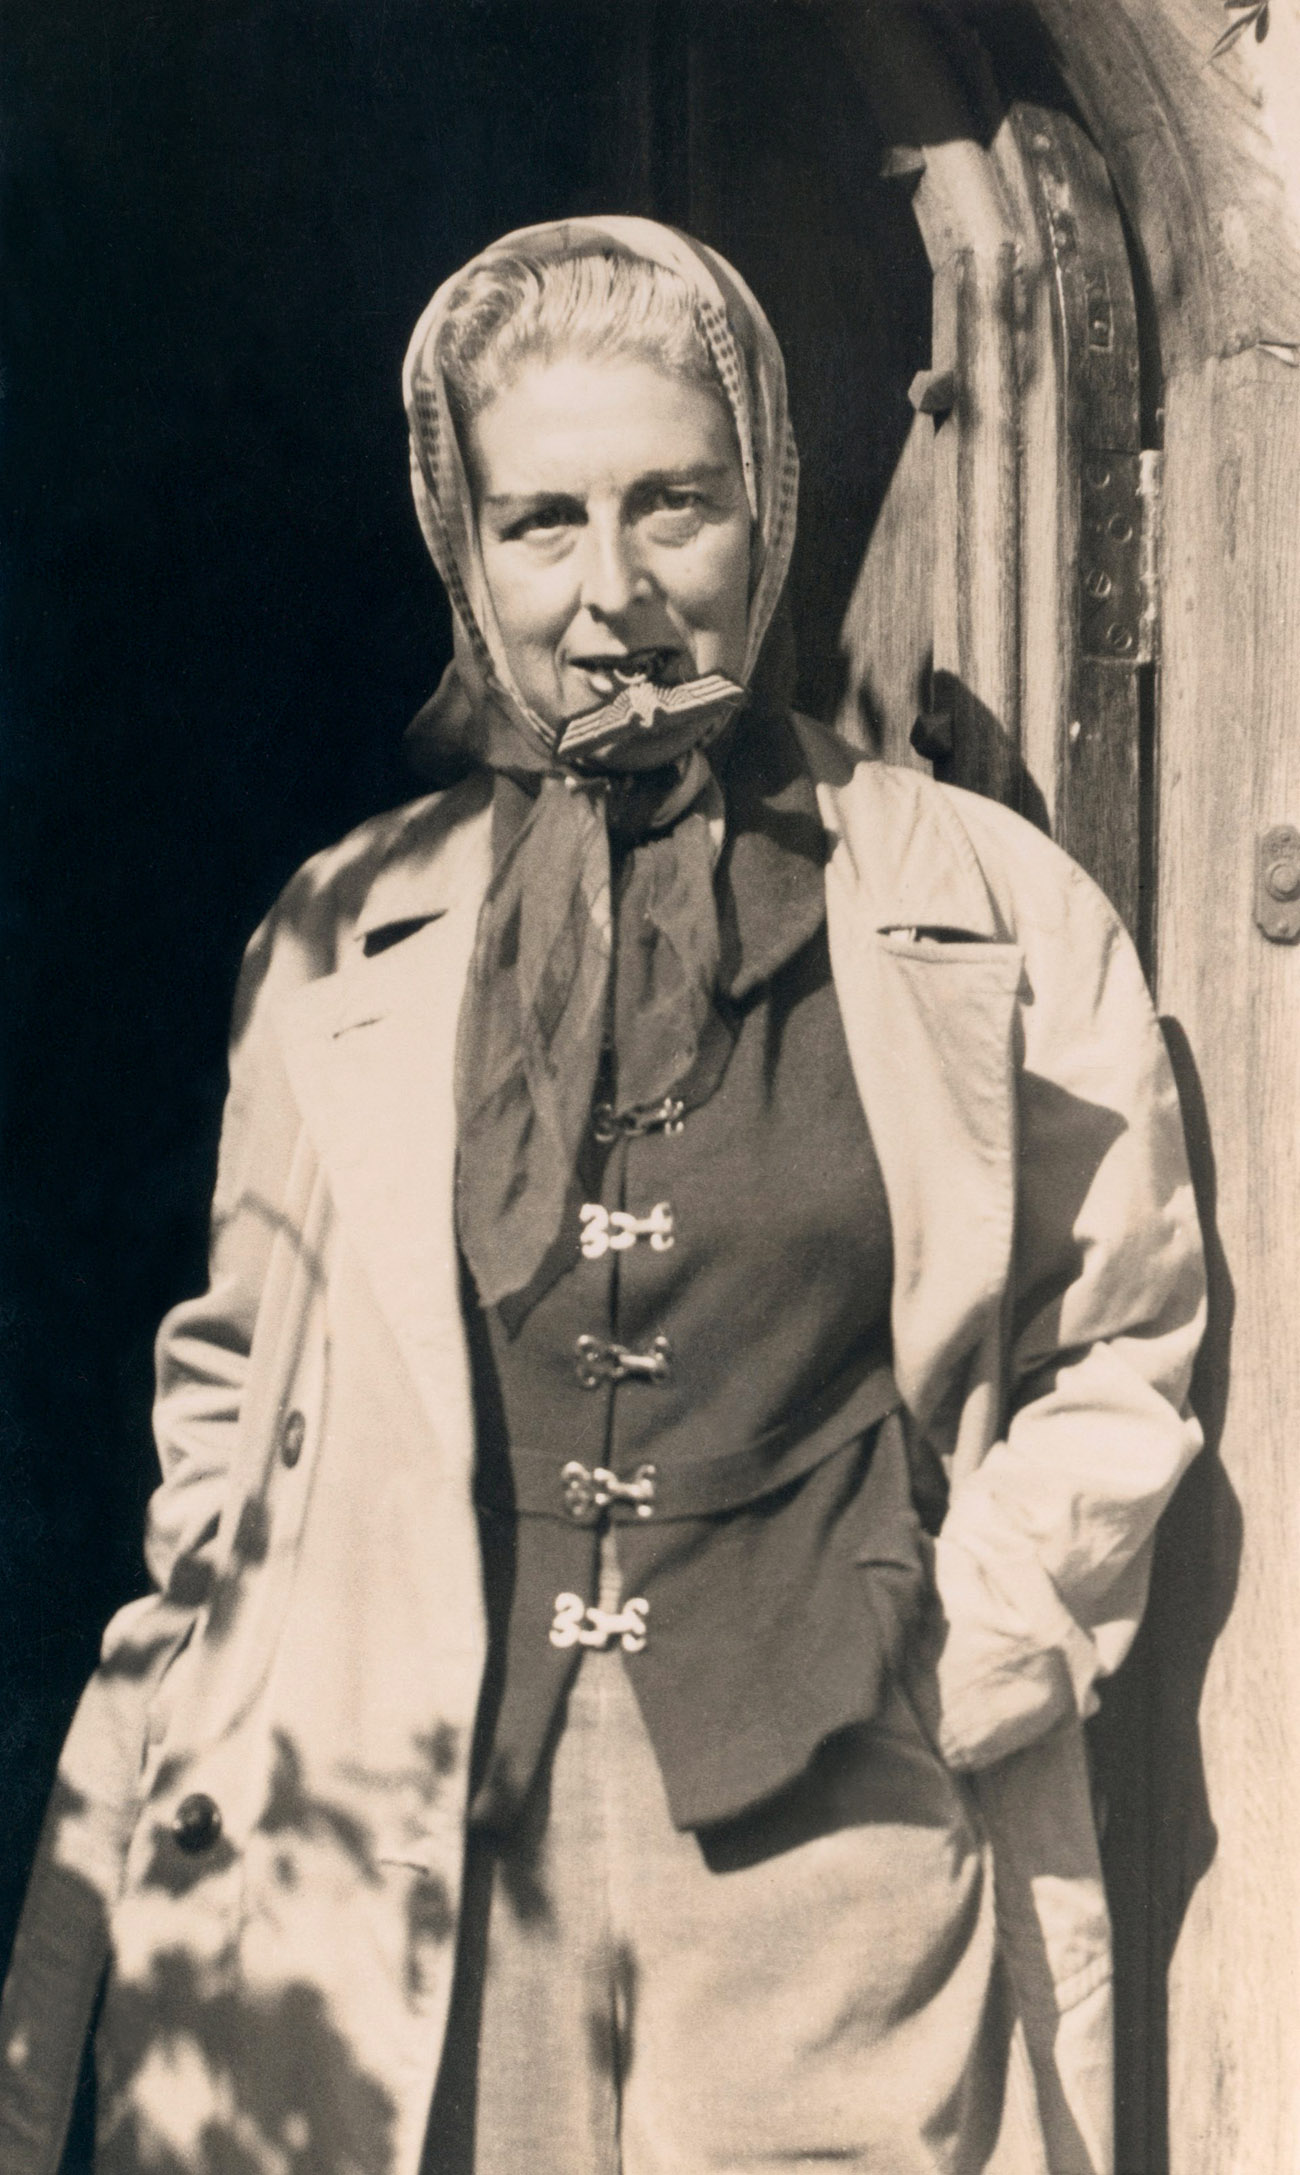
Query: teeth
{"x": 643, "y": 667}
{"x": 626, "y": 671}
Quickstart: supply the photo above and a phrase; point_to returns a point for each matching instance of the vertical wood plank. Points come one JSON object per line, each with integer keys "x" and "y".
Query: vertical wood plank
{"x": 903, "y": 62}
{"x": 1081, "y": 432}
{"x": 888, "y": 634}
{"x": 970, "y": 233}
{"x": 1226, "y": 1770}
{"x": 1205, "y": 157}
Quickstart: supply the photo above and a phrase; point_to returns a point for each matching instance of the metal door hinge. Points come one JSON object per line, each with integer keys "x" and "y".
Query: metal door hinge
{"x": 1277, "y": 884}
{"x": 1119, "y": 530}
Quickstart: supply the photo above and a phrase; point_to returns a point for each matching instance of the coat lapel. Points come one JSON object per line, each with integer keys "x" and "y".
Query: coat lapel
{"x": 930, "y": 1023}
{"x": 370, "y": 1053}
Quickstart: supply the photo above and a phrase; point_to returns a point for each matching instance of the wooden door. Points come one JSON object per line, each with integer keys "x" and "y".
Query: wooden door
{"x": 948, "y": 273}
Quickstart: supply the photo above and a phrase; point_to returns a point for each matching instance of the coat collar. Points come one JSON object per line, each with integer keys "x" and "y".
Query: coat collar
{"x": 371, "y": 1049}
{"x": 370, "y": 1055}
{"x": 436, "y": 853}
{"x": 907, "y": 849}
{"x": 900, "y": 842}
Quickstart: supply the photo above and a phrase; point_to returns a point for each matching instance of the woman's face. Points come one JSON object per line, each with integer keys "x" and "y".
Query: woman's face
{"x": 614, "y": 530}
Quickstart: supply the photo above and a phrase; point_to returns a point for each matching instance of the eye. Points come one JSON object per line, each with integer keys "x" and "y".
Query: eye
{"x": 544, "y": 521}
{"x": 674, "y": 512}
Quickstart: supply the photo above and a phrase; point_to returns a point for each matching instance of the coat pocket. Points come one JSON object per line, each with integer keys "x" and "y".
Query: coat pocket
{"x": 934, "y": 945}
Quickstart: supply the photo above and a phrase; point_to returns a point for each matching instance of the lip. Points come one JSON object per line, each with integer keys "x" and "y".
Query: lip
{"x": 606, "y": 671}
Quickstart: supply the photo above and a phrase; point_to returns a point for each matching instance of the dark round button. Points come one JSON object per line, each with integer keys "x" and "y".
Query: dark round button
{"x": 292, "y": 1437}
{"x": 196, "y": 1824}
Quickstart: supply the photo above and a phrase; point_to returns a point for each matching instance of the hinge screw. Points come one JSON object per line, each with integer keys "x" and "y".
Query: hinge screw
{"x": 1282, "y": 879}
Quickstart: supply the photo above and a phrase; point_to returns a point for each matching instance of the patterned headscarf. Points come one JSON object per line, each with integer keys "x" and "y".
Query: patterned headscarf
{"x": 534, "y": 1016}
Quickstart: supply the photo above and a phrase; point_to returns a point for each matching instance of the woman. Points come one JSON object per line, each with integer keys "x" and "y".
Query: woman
{"x": 668, "y": 1176}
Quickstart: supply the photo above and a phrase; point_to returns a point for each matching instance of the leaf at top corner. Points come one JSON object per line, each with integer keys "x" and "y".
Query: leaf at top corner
{"x": 1253, "y": 14}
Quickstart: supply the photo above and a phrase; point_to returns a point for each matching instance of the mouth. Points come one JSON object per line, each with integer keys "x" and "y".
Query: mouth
{"x": 608, "y": 671}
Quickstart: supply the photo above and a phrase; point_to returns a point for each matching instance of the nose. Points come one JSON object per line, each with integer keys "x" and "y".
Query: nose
{"x": 612, "y": 578}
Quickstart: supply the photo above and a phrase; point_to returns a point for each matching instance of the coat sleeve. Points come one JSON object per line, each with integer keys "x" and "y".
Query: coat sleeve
{"x": 203, "y": 1351}
{"x": 202, "y": 1357}
{"x": 1041, "y": 1565}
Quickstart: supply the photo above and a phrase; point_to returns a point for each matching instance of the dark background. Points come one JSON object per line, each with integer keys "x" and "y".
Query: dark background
{"x": 221, "y": 222}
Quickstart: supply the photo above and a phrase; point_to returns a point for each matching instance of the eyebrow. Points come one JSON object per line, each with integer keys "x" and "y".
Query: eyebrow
{"x": 521, "y": 499}
{"x": 699, "y": 472}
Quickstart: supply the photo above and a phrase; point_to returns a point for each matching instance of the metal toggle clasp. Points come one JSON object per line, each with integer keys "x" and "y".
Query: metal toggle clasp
{"x": 669, "y": 1116}
{"x": 597, "y": 1360}
{"x": 587, "y": 1492}
{"x": 577, "y": 1625}
{"x": 613, "y": 1230}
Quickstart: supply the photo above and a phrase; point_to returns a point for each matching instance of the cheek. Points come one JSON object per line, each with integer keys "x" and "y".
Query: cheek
{"x": 715, "y": 586}
{"x": 533, "y": 603}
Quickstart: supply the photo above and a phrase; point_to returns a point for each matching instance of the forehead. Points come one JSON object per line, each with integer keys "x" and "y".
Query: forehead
{"x": 575, "y": 425}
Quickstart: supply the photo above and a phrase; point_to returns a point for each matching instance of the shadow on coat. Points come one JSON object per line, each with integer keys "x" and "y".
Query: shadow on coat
{"x": 197, "y": 2072}
{"x": 290, "y": 2092}
{"x": 960, "y": 737}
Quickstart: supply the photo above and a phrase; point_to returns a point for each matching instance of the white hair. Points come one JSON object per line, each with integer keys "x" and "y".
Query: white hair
{"x": 518, "y": 309}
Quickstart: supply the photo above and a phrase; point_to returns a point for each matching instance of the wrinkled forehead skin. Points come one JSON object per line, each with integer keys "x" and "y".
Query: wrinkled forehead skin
{"x": 750, "y": 370}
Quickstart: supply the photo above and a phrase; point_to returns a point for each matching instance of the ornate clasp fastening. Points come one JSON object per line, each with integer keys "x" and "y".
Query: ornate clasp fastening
{"x": 614, "y": 1230}
{"x": 669, "y": 1116}
{"x": 586, "y": 1492}
{"x": 577, "y": 1625}
{"x": 597, "y": 1360}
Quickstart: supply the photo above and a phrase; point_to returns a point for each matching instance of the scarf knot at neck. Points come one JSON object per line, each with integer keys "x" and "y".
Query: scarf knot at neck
{"x": 542, "y": 996}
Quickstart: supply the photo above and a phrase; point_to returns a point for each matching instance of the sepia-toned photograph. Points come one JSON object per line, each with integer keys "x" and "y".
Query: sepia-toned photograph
{"x": 649, "y": 1161}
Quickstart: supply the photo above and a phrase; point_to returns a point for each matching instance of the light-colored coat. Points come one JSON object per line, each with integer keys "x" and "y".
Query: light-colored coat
{"x": 314, "y": 1666}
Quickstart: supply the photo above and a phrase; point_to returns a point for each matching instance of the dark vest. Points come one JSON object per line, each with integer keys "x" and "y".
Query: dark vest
{"x": 719, "y": 1345}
